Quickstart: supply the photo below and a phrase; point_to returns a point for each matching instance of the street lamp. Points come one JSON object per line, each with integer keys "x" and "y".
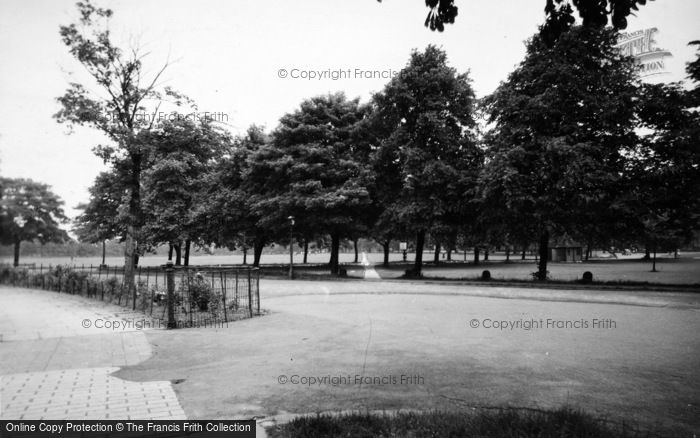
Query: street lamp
{"x": 291, "y": 247}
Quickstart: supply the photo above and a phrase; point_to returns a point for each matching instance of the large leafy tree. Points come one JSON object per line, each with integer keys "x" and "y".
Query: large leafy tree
{"x": 562, "y": 122}
{"x": 101, "y": 217}
{"x": 29, "y": 211}
{"x": 665, "y": 171}
{"x": 227, "y": 210}
{"x": 181, "y": 153}
{"x": 311, "y": 171}
{"x": 114, "y": 101}
{"x": 429, "y": 154}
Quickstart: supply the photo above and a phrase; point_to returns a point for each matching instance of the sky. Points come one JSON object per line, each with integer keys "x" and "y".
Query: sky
{"x": 253, "y": 61}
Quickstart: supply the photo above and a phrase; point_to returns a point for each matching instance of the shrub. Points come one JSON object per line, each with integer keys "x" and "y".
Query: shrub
{"x": 143, "y": 296}
{"x": 6, "y": 273}
{"x": 111, "y": 285}
{"x": 587, "y": 277}
{"x": 200, "y": 293}
{"x": 74, "y": 280}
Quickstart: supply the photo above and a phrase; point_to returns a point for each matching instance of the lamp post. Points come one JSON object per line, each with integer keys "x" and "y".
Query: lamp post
{"x": 20, "y": 221}
{"x": 291, "y": 247}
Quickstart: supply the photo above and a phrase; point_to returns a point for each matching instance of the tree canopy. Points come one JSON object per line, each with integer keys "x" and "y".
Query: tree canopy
{"x": 114, "y": 101}
{"x": 227, "y": 212}
{"x": 664, "y": 178}
{"x": 430, "y": 146}
{"x": 180, "y": 154}
{"x": 560, "y": 15}
{"x": 29, "y": 211}
{"x": 101, "y": 218}
{"x": 312, "y": 171}
{"x": 563, "y": 156}
{"x": 562, "y": 121}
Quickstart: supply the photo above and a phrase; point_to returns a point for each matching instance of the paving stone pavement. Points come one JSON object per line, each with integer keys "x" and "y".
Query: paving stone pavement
{"x": 85, "y": 394}
{"x": 53, "y": 367}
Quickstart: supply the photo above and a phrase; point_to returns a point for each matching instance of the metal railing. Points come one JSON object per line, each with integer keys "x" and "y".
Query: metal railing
{"x": 181, "y": 296}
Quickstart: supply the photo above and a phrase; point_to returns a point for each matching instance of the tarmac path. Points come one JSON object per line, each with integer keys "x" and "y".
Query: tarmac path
{"x": 421, "y": 346}
{"x": 330, "y": 346}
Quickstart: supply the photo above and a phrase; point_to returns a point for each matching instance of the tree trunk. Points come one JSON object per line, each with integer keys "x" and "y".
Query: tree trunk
{"x": 178, "y": 254}
{"x": 134, "y": 225}
{"x": 465, "y": 254}
{"x": 449, "y": 255}
{"x": 418, "y": 265}
{"x": 306, "y": 250}
{"x": 588, "y": 251}
{"x": 16, "y": 261}
{"x": 476, "y": 255}
{"x": 507, "y": 254}
{"x": 544, "y": 256}
{"x": 104, "y": 251}
{"x": 436, "y": 256}
{"x": 170, "y": 251}
{"x": 335, "y": 249}
{"x": 386, "y": 253}
{"x": 486, "y": 255}
{"x": 356, "y": 251}
{"x": 188, "y": 243}
{"x": 129, "y": 253}
{"x": 653, "y": 266}
{"x": 258, "y": 246}
{"x": 245, "y": 255}
{"x": 523, "y": 255}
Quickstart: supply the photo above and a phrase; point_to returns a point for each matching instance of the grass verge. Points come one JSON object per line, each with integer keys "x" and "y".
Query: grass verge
{"x": 561, "y": 423}
{"x": 610, "y": 284}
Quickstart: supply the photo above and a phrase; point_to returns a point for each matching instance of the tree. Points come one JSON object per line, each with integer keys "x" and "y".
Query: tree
{"x": 385, "y": 182}
{"x": 560, "y": 14}
{"x": 665, "y": 170}
{"x": 594, "y": 14}
{"x": 181, "y": 152}
{"x": 310, "y": 171}
{"x": 562, "y": 122}
{"x": 440, "y": 12}
{"x": 100, "y": 219}
{"x": 29, "y": 211}
{"x": 117, "y": 107}
{"x": 431, "y": 146}
{"x": 226, "y": 207}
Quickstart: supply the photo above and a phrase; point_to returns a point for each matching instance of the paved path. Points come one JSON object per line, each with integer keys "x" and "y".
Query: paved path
{"x": 370, "y": 273}
{"x": 643, "y": 368}
{"x": 52, "y": 366}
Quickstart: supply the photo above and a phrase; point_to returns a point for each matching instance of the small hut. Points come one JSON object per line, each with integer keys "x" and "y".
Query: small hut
{"x": 565, "y": 249}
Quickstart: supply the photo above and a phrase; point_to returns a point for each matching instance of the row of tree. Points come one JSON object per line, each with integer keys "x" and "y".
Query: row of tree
{"x": 574, "y": 145}
{"x": 571, "y": 144}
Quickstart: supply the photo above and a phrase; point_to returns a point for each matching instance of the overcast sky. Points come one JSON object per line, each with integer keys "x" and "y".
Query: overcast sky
{"x": 228, "y": 55}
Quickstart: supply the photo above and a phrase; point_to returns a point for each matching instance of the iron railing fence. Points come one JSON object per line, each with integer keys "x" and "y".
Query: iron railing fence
{"x": 194, "y": 296}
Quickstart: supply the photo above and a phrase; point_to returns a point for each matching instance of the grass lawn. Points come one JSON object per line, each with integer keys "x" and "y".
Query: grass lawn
{"x": 502, "y": 423}
{"x": 685, "y": 270}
